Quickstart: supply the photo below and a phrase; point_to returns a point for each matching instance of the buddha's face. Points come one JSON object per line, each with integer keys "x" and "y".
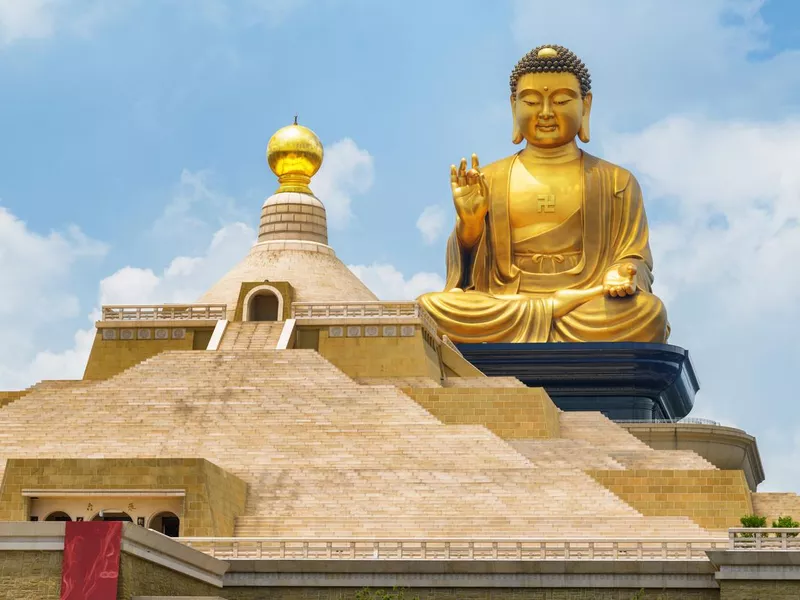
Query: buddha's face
{"x": 548, "y": 108}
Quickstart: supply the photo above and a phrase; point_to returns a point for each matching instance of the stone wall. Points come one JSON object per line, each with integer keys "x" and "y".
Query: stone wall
{"x": 480, "y": 594}
{"x": 139, "y": 577}
{"x": 774, "y": 505}
{"x": 214, "y": 498}
{"x": 511, "y": 413}
{"x": 759, "y": 590}
{"x": 109, "y": 357}
{"x": 712, "y": 499}
{"x": 30, "y": 574}
{"x": 389, "y": 353}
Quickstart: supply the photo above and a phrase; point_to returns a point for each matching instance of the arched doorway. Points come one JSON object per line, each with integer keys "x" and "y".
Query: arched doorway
{"x": 58, "y": 516}
{"x": 167, "y": 523}
{"x": 264, "y": 307}
{"x": 112, "y": 515}
{"x": 263, "y": 303}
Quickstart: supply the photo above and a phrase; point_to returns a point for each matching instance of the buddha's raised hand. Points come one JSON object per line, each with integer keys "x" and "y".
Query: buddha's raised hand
{"x": 471, "y": 199}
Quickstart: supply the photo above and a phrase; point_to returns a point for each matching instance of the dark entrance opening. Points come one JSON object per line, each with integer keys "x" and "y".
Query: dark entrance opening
{"x": 167, "y": 523}
{"x": 264, "y": 307}
{"x": 58, "y": 516}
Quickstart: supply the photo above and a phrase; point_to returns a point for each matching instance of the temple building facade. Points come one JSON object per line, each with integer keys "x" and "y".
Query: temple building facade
{"x": 290, "y": 436}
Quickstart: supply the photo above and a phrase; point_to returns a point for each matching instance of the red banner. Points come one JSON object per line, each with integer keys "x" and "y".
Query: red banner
{"x": 91, "y": 560}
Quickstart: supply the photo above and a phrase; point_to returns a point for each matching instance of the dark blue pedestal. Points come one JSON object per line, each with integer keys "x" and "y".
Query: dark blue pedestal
{"x": 625, "y": 381}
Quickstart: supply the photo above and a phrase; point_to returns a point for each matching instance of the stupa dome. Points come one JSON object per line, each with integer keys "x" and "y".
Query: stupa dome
{"x": 292, "y": 243}
{"x": 294, "y": 153}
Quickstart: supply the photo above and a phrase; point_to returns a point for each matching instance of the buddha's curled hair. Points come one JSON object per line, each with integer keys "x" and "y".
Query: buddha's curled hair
{"x": 564, "y": 61}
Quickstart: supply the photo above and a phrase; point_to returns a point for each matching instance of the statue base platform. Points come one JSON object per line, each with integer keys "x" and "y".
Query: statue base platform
{"x": 623, "y": 380}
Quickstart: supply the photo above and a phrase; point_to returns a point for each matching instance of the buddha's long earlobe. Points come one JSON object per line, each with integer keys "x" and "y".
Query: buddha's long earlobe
{"x": 583, "y": 133}
{"x": 516, "y": 133}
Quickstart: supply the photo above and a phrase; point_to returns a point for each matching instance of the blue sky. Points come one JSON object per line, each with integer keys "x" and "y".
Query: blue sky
{"x": 132, "y": 158}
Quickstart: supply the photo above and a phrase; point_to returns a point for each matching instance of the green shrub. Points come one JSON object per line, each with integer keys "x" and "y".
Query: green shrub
{"x": 788, "y": 523}
{"x": 753, "y": 521}
{"x": 380, "y": 594}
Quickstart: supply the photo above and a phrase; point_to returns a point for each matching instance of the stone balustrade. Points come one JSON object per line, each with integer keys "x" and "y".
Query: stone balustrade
{"x": 365, "y": 311}
{"x": 165, "y": 312}
{"x": 454, "y": 549}
{"x": 765, "y": 538}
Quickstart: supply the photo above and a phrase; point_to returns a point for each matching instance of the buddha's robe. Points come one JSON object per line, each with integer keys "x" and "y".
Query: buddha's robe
{"x": 509, "y": 287}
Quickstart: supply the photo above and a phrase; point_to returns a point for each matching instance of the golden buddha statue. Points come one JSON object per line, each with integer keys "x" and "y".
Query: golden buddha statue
{"x": 550, "y": 244}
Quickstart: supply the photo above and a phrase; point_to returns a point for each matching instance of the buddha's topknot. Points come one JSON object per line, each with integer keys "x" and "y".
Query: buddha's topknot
{"x": 551, "y": 59}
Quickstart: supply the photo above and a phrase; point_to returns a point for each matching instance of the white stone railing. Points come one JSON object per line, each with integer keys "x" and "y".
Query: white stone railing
{"x": 765, "y": 538}
{"x": 453, "y": 549}
{"x": 165, "y": 312}
{"x": 364, "y": 311}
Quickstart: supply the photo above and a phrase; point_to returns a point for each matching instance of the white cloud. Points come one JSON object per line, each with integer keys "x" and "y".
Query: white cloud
{"x": 21, "y": 19}
{"x": 678, "y": 56}
{"x": 36, "y": 271}
{"x": 725, "y": 249}
{"x": 432, "y": 223}
{"x": 387, "y": 283}
{"x": 39, "y": 19}
{"x": 185, "y": 278}
{"x": 678, "y": 95}
{"x": 197, "y": 209}
{"x": 347, "y": 170}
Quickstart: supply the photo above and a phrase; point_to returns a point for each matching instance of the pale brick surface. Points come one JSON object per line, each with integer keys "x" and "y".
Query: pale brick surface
{"x": 312, "y": 443}
{"x": 509, "y": 412}
{"x": 773, "y": 505}
{"x": 714, "y": 499}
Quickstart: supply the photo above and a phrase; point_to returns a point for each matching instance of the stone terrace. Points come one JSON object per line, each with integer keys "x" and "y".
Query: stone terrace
{"x": 324, "y": 455}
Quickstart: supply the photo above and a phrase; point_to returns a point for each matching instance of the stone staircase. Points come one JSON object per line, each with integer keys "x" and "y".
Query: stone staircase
{"x": 592, "y": 441}
{"x": 251, "y": 335}
{"x": 325, "y": 455}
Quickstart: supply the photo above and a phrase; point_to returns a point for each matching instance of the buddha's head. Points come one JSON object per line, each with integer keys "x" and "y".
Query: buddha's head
{"x": 550, "y": 98}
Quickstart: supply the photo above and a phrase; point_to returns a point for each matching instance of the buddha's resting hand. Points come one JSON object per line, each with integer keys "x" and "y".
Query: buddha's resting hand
{"x": 619, "y": 281}
{"x": 471, "y": 199}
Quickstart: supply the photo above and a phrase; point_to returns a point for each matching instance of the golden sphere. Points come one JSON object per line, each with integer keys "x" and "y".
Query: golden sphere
{"x": 294, "y": 150}
{"x": 547, "y": 53}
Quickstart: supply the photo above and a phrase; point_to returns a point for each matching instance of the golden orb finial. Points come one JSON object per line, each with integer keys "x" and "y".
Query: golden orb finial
{"x": 294, "y": 154}
{"x": 547, "y": 53}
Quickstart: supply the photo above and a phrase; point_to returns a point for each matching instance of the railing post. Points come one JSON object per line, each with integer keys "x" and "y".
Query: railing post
{"x": 260, "y": 549}
{"x": 330, "y": 549}
{"x": 688, "y": 550}
{"x": 615, "y": 550}
{"x": 591, "y": 550}
{"x": 424, "y": 550}
{"x": 447, "y": 549}
{"x": 519, "y": 550}
{"x": 639, "y": 549}
{"x": 376, "y": 550}
{"x": 566, "y": 550}
{"x": 235, "y": 549}
{"x": 494, "y": 550}
{"x": 352, "y": 550}
{"x": 282, "y": 550}
{"x": 305, "y": 550}
{"x": 664, "y": 550}
{"x": 758, "y": 540}
{"x": 784, "y": 540}
{"x": 472, "y": 549}
{"x": 731, "y": 539}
